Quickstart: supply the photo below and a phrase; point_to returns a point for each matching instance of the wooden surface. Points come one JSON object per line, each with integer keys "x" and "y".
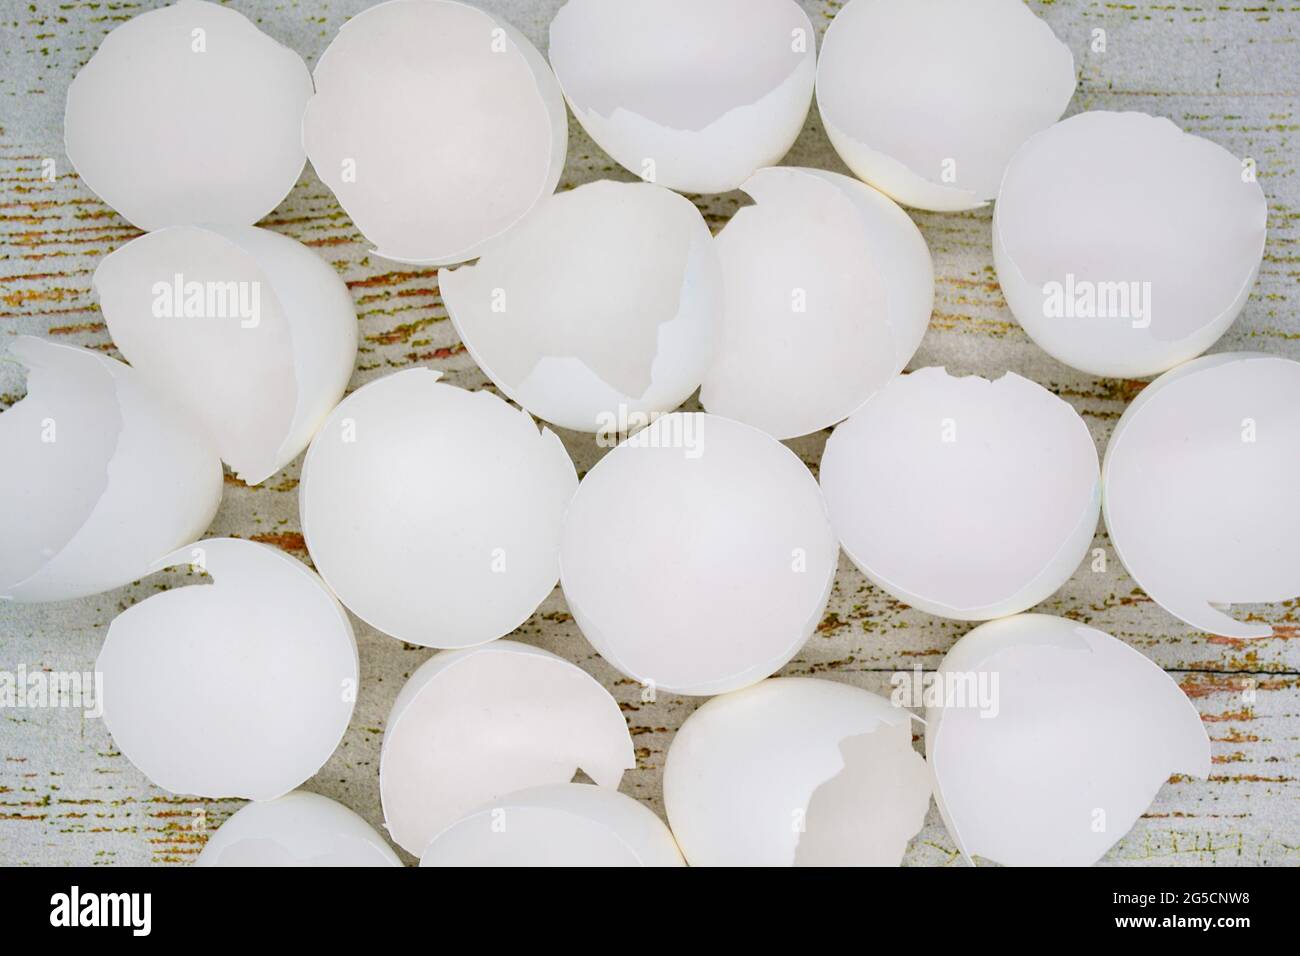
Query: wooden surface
{"x": 1227, "y": 71}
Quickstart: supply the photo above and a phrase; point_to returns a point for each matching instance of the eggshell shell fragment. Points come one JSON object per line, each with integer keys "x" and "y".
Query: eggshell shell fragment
{"x": 298, "y": 829}
{"x": 1200, "y": 488}
{"x": 1076, "y": 734}
{"x": 252, "y": 332}
{"x": 965, "y": 498}
{"x": 928, "y": 99}
{"x": 796, "y": 772}
{"x": 101, "y": 476}
{"x": 188, "y": 114}
{"x": 241, "y": 688}
{"x": 471, "y": 726}
{"x": 828, "y": 288}
{"x": 562, "y": 824}
{"x": 597, "y": 307}
{"x": 1125, "y": 246}
{"x": 692, "y": 94}
{"x": 696, "y": 556}
{"x": 434, "y": 513}
{"x": 437, "y": 125}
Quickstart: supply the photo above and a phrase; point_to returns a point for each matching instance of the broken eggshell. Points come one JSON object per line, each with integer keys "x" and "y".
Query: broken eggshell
{"x": 437, "y": 125}
{"x": 471, "y": 726}
{"x": 562, "y": 824}
{"x": 656, "y": 89}
{"x": 101, "y": 476}
{"x": 962, "y": 497}
{"x": 1052, "y": 739}
{"x": 1124, "y": 267}
{"x": 238, "y": 688}
{"x": 1199, "y": 480}
{"x": 188, "y": 114}
{"x": 827, "y": 293}
{"x": 433, "y": 512}
{"x": 927, "y": 100}
{"x": 598, "y": 306}
{"x": 720, "y": 562}
{"x": 796, "y": 772}
{"x": 298, "y": 829}
{"x": 254, "y": 333}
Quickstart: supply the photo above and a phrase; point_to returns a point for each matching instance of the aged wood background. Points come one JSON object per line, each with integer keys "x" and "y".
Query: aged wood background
{"x": 1229, "y": 71}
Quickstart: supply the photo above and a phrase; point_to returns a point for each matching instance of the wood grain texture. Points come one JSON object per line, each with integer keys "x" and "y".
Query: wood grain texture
{"x": 1227, "y": 71}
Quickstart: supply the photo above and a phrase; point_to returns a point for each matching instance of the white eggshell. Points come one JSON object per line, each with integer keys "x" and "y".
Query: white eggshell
{"x": 928, "y": 99}
{"x": 696, "y": 556}
{"x": 189, "y": 114}
{"x": 101, "y": 476}
{"x": 796, "y": 772}
{"x": 1081, "y": 733}
{"x": 471, "y": 726}
{"x": 252, "y": 332}
{"x": 1200, "y": 488}
{"x": 298, "y": 829}
{"x": 239, "y": 688}
{"x": 437, "y": 125}
{"x": 828, "y": 288}
{"x": 965, "y": 498}
{"x": 561, "y": 824}
{"x": 598, "y": 306}
{"x": 1125, "y": 246}
{"x": 692, "y": 94}
{"x": 434, "y": 513}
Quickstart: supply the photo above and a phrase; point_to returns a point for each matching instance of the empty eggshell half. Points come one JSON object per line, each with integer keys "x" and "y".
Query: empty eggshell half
{"x": 1051, "y": 739}
{"x": 1200, "y": 488}
{"x": 298, "y": 829}
{"x": 965, "y": 498}
{"x": 927, "y": 100}
{"x": 189, "y": 114}
{"x": 597, "y": 307}
{"x": 796, "y": 772}
{"x": 827, "y": 293}
{"x": 252, "y": 332}
{"x": 473, "y": 725}
{"x": 101, "y": 477}
{"x": 696, "y": 556}
{"x": 437, "y": 125}
{"x": 238, "y": 688}
{"x": 692, "y": 94}
{"x": 1125, "y": 246}
{"x": 434, "y": 513}
{"x": 562, "y": 824}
